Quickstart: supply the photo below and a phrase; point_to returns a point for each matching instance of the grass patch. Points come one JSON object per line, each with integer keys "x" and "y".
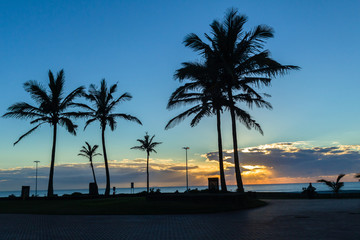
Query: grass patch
{"x": 120, "y": 205}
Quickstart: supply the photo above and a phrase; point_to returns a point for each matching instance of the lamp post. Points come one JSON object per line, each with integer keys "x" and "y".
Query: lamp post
{"x": 187, "y": 176}
{"x": 36, "y": 162}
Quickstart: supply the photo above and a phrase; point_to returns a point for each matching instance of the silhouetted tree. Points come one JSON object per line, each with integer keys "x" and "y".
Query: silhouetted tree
{"x": 51, "y": 108}
{"x": 104, "y": 104}
{"x": 204, "y": 90}
{"x": 335, "y": 186}
{"x": 147, "y": 145}
{"x": 243, "y": 61}
{"x": 89, "y": 152}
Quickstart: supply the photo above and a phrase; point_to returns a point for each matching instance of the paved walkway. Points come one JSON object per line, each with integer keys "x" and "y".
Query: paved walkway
{"x": 281, "y": 219}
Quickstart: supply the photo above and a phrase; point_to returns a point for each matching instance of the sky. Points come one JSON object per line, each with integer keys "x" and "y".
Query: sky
{"x": 138, "y": 44}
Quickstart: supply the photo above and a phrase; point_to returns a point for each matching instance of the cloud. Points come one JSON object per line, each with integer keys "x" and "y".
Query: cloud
{"x": 293, "y": 162}
{"x": 271, "y": 163}
{"x": 163, "y": 172}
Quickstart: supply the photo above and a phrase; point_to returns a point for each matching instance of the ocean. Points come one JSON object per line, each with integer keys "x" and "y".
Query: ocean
{"x": 291, "y": 187}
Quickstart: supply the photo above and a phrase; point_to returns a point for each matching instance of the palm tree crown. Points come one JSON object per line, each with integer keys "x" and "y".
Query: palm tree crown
{"x": 89, "y": 151}
{"x": 51, "y": 108}
{"x": 147, "y": 144}
{"x": 103, "y": 106}
{"x": 205, "y": 89}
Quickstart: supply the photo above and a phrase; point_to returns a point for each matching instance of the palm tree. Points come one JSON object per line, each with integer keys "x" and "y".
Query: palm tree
{"x": 210, "y": 101}
{"x": 89, "y": 152}
{"x": 147, "y": 145}
{"x": 357, "y": 176}
{"x": 243, "y": 61}
{"x": 335, "y": 186}
{"x": 102, "y": 110}
{"x": 51, "y": 109}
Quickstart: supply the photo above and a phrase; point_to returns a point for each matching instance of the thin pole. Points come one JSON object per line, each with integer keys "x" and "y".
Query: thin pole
{"x": 187, "y": 176}
{"x": 36, "y": 162}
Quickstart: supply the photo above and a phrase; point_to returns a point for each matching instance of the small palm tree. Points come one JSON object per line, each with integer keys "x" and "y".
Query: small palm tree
{"x": 357, "y": 176}
{"x": 335, "y": 186}
{"x": 147, "y": 145}
{"x": 90, "y": 152}
{"x": 51, "y": 108}
{"x": 102, "y": 110}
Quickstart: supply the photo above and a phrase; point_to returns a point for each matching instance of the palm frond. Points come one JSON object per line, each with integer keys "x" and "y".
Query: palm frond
{"x": 89, "y": 121}
{"x": 83, "y": 155}
{"x": 127, "y": 117}
{"x": 78, "y": 114}
{"x": 245, "y": 118}
{"x": 138, "y": 147}
{"x": 28, "y": 133}
{"x": 339, "y": 177}
{"x": 193, "y": 41}
{"x": 68, "y": 124}
{"x": 24, "y": 110}
{"x": 37, "y": 92}
{"x": 179, "y": 118}
{"x": 124, "y": 97}
{"x": 204, "y": 112}
{"x": 357, "y": 176}
{"x": 82, "y": 105}
{"x": 68, "y": 100}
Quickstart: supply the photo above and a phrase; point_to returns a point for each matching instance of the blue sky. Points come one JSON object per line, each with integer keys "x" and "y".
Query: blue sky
{"x": 139, "y": 45}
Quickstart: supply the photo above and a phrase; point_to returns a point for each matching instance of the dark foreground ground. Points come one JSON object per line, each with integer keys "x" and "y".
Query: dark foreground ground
{"x": 280, "y": 219}
{"x": 154, "y": 204}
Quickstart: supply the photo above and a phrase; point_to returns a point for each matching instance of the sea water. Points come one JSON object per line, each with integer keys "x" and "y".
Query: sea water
{"x": 290, "y": 187}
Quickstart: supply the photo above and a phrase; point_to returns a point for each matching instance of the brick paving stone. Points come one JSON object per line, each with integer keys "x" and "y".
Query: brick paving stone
{"x": 281, "y": 219}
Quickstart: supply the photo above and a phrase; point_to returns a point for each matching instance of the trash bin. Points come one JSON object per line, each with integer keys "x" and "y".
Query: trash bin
{"x": 213, "y": 184}
{"x": 25, "y": 192}
{"x": 93, "y": 189}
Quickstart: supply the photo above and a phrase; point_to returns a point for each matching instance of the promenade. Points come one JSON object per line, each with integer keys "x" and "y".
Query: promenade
{"x": 281, "y": 219}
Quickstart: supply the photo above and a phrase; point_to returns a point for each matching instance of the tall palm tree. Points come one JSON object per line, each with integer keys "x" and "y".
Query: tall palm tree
{"x": 51, "y": 108}
{"x": 204, "y": 90}
{"x": 209, "y": 100}
{"x": 244, "y": 62}
{"x": 147, "y": 145}
{"x": 89, "y": 152}
{"x": 102, "y": 110}
{"x": 335, "y": 186}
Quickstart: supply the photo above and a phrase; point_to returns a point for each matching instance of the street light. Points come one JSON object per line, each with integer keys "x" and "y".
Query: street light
{"x": 36, "y": 162}
{"x": 187, "y": 177}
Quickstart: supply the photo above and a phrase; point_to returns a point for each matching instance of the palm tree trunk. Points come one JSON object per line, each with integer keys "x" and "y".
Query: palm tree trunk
{"x": 50, "y": 192}
{"x": 92, "y": 168}
{"x": 240, "y": 187}
{"x": 147, "y": 173}
{"x": 221, "y": 161}
{"x": 107, "y": 188}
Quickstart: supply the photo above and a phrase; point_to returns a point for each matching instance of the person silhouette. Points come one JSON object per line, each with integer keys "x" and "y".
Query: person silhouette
{"x": 310, "y": 191}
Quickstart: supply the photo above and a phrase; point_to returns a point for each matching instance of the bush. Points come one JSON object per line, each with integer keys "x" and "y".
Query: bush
{"x": 76, "y": 194}
{"x": 12, "y": 196}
